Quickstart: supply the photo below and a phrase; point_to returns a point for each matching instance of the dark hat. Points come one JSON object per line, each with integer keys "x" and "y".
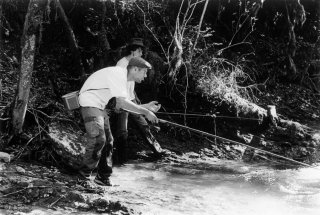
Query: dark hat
{"x": 139, "y": 62}
{"x": 136, "y": 42}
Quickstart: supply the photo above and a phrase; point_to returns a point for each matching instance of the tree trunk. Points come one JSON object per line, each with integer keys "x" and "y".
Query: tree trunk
{"x": 295, "y": 17}
{"x": 1, "y": 24}
{"x": 31, "y": 27}
{"x": 102, "y": 38}
{"x": 316, "y": 65}
{"x": 72, "y": 39}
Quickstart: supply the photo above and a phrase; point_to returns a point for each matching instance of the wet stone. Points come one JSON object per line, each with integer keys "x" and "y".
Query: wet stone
{"x": 20, "y": 170}
{"x": 313, "y": 144}
{"x": 81, "y": 205}
{"x": 5, "y": 157}
{"x": 192, "y": 155}
{"x": 101, "y": 204}
{"x": 75, "y": 196}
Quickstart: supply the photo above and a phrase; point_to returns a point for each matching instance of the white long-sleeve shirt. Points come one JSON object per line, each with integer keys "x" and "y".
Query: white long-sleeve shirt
{"x": 123, "y": 62}
{"x": 102, "y": 85}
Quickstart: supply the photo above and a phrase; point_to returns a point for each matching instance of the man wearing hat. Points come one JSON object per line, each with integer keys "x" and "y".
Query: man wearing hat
{"x": 134, "y": 49}
{"x": 103, "y": 91}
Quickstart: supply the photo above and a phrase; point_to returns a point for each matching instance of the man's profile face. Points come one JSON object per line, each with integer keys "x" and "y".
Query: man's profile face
{"x": 138, "y": 52}
{"x": 140, "y": 74}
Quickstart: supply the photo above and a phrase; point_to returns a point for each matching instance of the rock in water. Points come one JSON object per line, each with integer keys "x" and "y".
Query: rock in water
{"x": 5, "y": 157}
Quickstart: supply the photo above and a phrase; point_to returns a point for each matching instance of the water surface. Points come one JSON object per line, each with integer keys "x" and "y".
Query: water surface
{"x": 156, "y": 189}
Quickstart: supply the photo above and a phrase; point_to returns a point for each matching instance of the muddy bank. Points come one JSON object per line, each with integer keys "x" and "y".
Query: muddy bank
{"x": 25, "y": 187}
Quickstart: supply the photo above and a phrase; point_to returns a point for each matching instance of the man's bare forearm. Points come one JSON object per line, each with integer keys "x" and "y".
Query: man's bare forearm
{"x": 129, "y": 105}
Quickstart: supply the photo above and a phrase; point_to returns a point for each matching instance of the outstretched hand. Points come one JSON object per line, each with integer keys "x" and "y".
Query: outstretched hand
{"x": 152, "y": 117}
{"x": 153, "y": 106}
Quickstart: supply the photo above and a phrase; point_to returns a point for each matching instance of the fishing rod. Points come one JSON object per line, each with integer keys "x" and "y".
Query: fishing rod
{"x": 222, "y": 138}
{"x": 205, "y": 115}
{"x": 187, "y": 114}
{"x": 232, "y": 141}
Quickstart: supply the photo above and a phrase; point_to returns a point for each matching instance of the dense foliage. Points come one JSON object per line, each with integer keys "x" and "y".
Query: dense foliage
{"x": 212, "y": 48}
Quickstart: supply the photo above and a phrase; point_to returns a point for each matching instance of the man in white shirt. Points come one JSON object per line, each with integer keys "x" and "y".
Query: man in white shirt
{"x": 134, "y": 49}
{"x": 103, "y": 89}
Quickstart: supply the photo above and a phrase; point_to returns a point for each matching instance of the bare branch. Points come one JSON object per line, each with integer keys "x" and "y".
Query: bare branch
{"x": 153, "y": 34}
{"x": 199, "y": 28}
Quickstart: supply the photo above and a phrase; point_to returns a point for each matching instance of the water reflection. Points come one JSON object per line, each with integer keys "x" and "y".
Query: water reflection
{"x": 167, "y": 189}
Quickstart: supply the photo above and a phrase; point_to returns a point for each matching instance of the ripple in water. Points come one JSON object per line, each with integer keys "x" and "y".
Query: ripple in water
{"x": 156, "y": 189}
{"x": 168, "y": 189}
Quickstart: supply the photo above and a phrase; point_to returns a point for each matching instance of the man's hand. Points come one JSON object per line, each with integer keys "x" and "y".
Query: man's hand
{"x": 153, "y": 106}
{"x": 151, "y": 117}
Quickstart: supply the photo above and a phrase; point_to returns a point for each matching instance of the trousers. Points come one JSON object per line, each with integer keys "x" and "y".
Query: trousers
{"x": 122, "y": 134}
{"x": 99, "y": 144}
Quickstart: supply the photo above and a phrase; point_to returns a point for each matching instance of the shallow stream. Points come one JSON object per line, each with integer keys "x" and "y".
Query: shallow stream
{"x": 236, "y": 188}
{"x": 214, "y": 188}
{"x": 221, "y": 188}
{"x": 156, "y": 189}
